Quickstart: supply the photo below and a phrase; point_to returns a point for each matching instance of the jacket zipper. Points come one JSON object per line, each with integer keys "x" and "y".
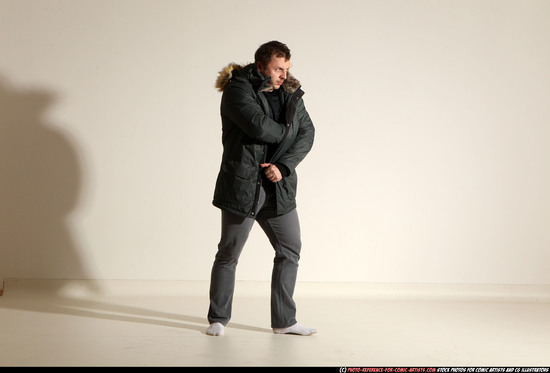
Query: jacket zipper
{"x": 259, "y": 179}
{"x": 258, "y": 186}
{"x": 294, "y": 99}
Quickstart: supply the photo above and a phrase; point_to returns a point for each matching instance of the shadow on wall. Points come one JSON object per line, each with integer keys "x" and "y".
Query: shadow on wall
{"x": 40, "y": 180}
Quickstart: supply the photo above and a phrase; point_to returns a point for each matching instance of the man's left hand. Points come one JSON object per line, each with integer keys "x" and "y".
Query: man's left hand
{"x": 272, "y": 172}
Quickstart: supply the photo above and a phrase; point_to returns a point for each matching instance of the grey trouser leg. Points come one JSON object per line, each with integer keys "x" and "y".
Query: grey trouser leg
{"x": 283, "y": 232}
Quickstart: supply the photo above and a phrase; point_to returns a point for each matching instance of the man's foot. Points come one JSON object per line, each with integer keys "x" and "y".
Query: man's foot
{"x": 215, "y": 329}
{"x": 295, "y": 329}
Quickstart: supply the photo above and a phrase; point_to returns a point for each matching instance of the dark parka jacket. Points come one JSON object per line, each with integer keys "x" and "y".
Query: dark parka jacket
{"x": 248, "y": 130}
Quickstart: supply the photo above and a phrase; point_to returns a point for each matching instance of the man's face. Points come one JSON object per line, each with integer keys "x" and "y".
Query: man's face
{"x": 277, "y": 69}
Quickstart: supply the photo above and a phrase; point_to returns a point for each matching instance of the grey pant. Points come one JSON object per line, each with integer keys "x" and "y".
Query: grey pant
{"x": 283, "y": 232}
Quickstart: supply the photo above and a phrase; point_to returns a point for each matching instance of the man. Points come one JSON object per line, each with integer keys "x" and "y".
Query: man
{"x": 267, "y": 132}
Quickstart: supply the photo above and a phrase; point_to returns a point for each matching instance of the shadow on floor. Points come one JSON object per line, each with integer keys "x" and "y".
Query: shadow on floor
{"x": 50, "y": 302}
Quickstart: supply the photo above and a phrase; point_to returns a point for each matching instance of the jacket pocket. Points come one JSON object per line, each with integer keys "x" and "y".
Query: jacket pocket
{"x": 238, "y": 169}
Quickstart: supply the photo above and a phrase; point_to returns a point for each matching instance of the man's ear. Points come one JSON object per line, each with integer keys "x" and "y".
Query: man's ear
{"x": 259, "y": 66}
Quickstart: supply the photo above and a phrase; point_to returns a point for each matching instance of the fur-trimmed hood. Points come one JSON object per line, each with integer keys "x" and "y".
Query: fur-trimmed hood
{"x": 291, "y": 84}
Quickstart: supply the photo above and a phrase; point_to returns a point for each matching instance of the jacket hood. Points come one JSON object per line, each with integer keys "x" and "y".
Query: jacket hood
{"x": 291, "y": 84}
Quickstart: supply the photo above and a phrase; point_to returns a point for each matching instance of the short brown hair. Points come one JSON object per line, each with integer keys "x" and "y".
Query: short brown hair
{"x": 267, "y": 50}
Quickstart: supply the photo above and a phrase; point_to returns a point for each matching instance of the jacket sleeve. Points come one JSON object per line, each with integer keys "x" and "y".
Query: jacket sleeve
{"x": 239, "y": 106}
{"x": 303, "y": 142}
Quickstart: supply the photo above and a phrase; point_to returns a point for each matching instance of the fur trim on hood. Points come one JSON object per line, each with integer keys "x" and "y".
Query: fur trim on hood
{"x": 291, "y": 84}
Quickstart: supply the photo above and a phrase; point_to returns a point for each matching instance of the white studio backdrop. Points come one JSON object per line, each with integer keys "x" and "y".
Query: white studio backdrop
{"x": 431, "y": 162}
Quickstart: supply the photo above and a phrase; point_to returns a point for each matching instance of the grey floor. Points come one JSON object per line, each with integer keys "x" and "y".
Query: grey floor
{"x": 140, "y": 323}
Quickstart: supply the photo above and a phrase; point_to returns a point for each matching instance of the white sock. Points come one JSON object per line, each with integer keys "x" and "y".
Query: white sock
{"x": 215, "y": 329}
{"x": 295, "y": 329}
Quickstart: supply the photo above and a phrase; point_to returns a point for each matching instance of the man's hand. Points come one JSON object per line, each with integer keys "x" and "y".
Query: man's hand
{"x": 272, "y": 172}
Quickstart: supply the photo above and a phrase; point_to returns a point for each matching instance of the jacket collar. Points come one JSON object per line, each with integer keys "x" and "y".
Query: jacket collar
{"x": 251, "y": 73}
